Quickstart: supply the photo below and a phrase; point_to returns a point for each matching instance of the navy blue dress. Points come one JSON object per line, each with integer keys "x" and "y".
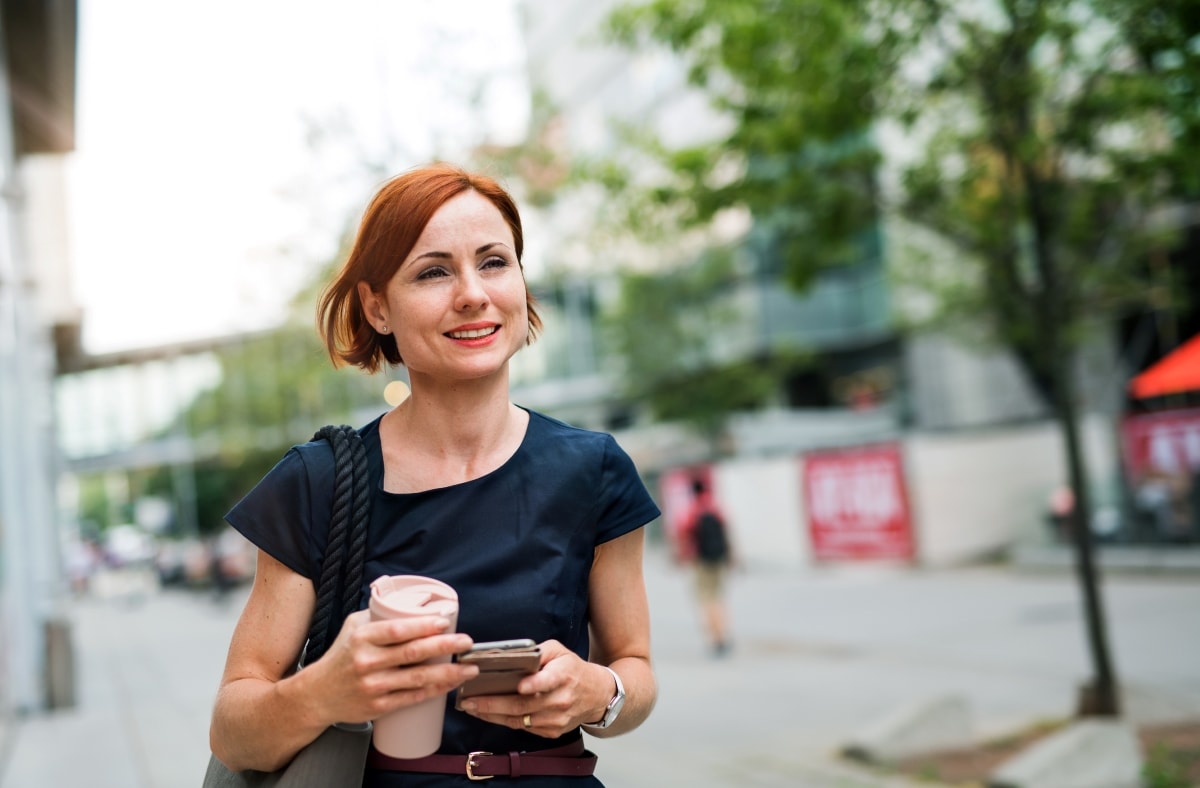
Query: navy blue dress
{"x": 516, "y": 544}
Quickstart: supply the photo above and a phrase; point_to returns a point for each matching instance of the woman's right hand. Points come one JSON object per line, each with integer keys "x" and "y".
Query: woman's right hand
{"x": 264, "y": 714}
{"x": 374, "y": 667}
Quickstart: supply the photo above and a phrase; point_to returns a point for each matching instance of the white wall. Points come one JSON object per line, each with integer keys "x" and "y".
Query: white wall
{"x": 971, "y": 494}
{"x": 974, "y": 493}
{"x": 762, "y": 501}
{"x": 47, "y": 239}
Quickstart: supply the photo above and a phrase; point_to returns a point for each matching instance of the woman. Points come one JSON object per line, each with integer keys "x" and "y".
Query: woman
{"x": 536, "y": 524}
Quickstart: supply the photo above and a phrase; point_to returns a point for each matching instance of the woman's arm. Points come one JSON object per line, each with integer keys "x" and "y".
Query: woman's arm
{"x": 620, "y": 617}
{"x": 263, "y": 716}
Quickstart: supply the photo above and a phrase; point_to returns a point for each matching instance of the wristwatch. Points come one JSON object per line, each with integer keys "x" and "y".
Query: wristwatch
{"x": 614, "y": 706}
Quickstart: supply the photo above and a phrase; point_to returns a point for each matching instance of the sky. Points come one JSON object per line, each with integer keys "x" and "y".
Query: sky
{"x": 222, "y": 147}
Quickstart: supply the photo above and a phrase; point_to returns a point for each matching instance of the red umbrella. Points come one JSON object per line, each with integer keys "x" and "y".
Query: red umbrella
{"x": 1176, "y": 372}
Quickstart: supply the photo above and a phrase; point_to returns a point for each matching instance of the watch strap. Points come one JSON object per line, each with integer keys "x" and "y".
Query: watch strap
{"x": 609, "y": 710}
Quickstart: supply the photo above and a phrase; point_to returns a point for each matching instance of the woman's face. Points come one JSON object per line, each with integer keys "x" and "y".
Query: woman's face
{"x": 457, "y": 303}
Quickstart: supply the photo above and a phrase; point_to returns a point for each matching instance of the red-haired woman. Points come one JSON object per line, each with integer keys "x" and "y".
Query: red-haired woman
{"x": 536, "y": 524}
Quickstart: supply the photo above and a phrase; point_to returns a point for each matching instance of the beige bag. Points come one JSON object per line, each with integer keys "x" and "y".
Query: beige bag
{"x": 333, "y": 760}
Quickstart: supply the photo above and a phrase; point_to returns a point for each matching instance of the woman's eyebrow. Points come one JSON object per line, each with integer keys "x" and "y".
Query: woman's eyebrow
{"x": 447, "y": 255}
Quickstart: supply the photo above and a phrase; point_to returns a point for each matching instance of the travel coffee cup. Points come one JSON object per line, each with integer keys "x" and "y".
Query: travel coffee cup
{"x": 414, "y": 731}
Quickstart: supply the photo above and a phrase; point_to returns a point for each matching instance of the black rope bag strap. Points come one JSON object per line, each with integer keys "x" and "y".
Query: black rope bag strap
{"x": 342, "y": 569}
{"x": 360, "y": 517}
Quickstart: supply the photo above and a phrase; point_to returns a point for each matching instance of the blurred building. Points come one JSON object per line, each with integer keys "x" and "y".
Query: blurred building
{"x": 37, "y": 130}
{"x": 971, "y": 445}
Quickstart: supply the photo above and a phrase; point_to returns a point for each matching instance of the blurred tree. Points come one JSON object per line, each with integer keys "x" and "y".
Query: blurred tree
{"x": 538, "y": 163}
{"x": 665, "y": 325}
{"x": 218, "y": 483}
{"x": 1046, "y": 140}
{"x": 276, "y": 389}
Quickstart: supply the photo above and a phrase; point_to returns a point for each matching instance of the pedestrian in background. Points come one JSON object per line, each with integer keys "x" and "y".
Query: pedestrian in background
{"x": 536, "y": 524}
{"x": 704, "y": 544}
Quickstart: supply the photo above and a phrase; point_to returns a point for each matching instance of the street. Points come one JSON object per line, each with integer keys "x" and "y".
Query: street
{"x": 817, "y": 655}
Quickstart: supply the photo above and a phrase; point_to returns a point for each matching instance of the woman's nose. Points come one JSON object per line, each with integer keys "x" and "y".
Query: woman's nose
{"x": 471, "y": 292}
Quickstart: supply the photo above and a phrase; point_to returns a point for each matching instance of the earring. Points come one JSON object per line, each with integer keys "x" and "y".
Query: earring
{"x": 383, "y": 330}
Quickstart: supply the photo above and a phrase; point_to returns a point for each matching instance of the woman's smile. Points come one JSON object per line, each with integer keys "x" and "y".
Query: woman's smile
{"x": 473, "y": 332}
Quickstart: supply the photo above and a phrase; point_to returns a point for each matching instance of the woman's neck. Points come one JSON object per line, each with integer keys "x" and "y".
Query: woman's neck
{"x": 451, "y": 433}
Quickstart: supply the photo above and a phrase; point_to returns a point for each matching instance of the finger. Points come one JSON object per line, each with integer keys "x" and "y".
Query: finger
{"x": 553, "y": 675}
{"x": 551, "y": 649}
{"x": 514, "y": 721}
{"x": 501, "y": 709}
{"x": 426, "y": 652}
{"x": 408, "y": 690}
{"x": 438, "y": 678}
{"x": 400, "y": 630}
{"x": 436, "y": 647}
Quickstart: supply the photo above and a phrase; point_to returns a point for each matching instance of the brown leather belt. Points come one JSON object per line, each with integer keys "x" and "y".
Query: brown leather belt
{"x": 569, "y": 760}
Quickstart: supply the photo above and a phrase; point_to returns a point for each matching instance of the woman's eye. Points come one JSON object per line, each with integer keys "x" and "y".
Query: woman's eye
{"x": 432, "y": 273}
{"x": 495, "y": 262}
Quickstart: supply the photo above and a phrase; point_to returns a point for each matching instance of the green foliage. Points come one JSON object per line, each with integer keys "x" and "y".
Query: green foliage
{"x": 1169, "y": 767}
{"x": 276, "y": 389}
{"x": 94, "y": 506}
{"x": 1047, "y": 155}
{"x": 799, "y": 82}
{"x": 538, "y": 163}
{"x": 666, "y": 326}
{"x": 1042, "y": 137}
{"x": 219, "y": 482}
{"x": 1040, "y": 140}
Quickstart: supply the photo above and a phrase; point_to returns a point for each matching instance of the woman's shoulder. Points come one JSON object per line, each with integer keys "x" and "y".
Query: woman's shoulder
{"x": 543, "y": 427}
{"x": 318, "y": 451}
{"x": 314, "y": 458}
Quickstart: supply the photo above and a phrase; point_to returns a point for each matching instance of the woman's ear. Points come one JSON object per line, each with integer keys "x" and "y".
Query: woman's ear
{"x": 372, "y": 306}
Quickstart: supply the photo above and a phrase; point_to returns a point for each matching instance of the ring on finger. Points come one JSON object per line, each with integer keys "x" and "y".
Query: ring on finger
{"x": 527, "y": 720}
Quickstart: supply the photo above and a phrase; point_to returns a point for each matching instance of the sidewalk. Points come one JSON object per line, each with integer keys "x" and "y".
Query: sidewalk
{"x": 818, "y": 655}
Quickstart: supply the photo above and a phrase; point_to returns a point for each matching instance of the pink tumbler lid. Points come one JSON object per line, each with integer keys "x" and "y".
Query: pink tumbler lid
{"x": 413, "y": 595}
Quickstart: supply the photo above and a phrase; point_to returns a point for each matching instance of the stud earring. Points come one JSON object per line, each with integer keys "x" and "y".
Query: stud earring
{"x": 383, "y": 330}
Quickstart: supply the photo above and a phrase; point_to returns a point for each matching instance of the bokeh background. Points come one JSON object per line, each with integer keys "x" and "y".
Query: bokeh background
{"x": 914, "y": 284}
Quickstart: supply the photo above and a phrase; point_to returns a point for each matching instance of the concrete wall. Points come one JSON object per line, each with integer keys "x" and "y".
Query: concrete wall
{"x": 762, "y": 500}
{"x": 971, "y": 494}
{"x": 975, "y": 493}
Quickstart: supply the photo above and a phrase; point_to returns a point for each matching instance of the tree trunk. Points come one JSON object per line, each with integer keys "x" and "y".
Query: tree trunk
{"x": 1054, "y": 311}
{"x": 1100, "y": 698}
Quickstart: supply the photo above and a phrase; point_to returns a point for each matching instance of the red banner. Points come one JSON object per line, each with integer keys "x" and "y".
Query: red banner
{"x": 1165, "y": 443}
{"x": 857, "y": 503}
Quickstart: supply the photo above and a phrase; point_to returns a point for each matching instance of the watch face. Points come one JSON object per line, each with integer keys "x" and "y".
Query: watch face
{"x": 614, "y": 709}
{"x": 614, "y": 705}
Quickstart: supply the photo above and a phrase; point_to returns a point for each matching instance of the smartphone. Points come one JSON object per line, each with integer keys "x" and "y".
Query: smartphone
{"x": 502, "y": 665}
{"x": 500, "y": 645}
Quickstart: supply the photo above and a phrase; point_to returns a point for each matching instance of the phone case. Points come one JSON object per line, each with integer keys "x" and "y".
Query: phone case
{"x": 499, "y": 671}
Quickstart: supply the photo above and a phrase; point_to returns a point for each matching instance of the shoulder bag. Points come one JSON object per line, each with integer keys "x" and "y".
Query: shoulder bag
{"x": 336, "y": 757}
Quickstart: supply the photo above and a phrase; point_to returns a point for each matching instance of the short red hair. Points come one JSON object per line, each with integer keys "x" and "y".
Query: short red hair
{"x": 389, "y": 230}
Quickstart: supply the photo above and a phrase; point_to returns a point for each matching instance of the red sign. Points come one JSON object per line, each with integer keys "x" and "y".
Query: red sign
{"x": 1166, "y": 442}
{"x": 675, "y": 492}
{"x": 857, "y": 503}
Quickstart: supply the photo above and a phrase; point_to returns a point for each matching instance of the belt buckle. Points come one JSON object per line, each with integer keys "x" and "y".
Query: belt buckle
{"x": 471, "y": 775}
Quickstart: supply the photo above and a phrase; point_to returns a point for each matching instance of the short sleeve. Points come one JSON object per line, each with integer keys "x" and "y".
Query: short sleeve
{"x": 276, "y": 516}
{"x": 624, "y": 503}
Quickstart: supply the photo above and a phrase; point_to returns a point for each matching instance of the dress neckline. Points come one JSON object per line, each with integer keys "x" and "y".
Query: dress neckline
{"x": 376, "y": 446}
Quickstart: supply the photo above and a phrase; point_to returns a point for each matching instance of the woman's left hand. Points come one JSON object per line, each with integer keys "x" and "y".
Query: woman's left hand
{"x": 565, "y": 693}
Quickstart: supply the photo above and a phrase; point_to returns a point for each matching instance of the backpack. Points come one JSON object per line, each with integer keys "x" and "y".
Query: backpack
{"x": 709, "y": 537}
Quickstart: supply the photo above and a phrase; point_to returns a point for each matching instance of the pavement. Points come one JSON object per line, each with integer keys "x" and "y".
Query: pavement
{"x": 819, "y": 654}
